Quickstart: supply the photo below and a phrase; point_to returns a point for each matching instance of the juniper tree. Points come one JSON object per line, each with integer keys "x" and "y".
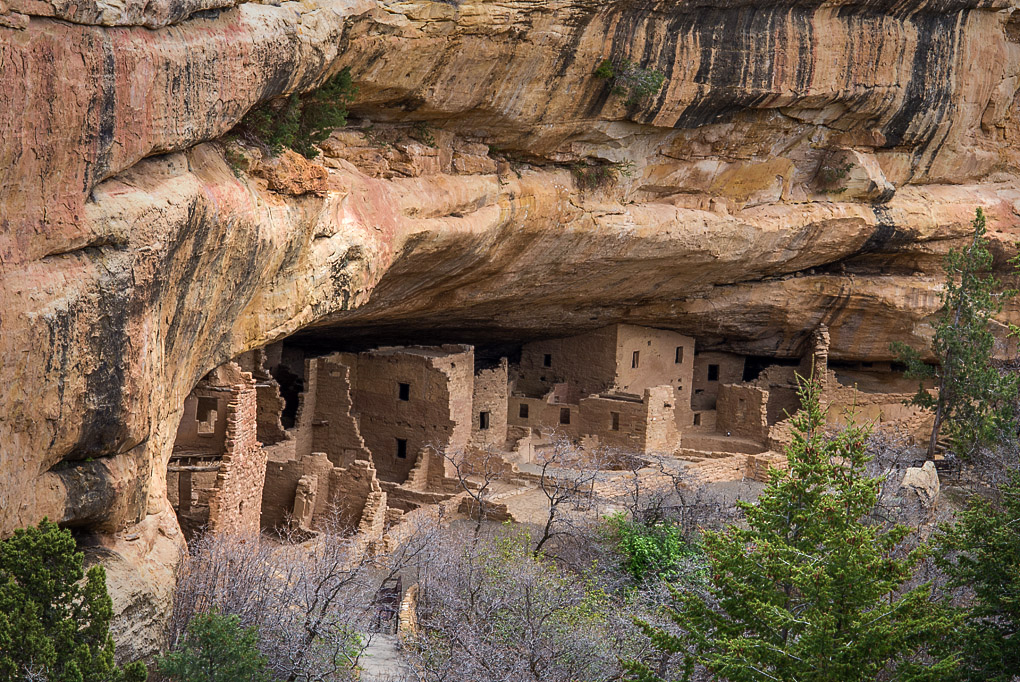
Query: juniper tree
{"x": 973, "y": 399}
{"x": 982, "y": 553}
{"x": 216, "y": 649}
{"x": 54, "y": 615}
{"x": 808, "y": 589}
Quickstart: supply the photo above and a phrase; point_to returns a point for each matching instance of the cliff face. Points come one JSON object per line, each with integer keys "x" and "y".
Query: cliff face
{"x": 804, "y": 163}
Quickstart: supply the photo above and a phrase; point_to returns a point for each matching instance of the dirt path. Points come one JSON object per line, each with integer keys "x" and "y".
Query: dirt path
{"x": 382, "y": 661}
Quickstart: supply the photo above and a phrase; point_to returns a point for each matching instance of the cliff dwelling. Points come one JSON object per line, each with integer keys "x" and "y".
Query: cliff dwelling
{"x": 377, "y": 434}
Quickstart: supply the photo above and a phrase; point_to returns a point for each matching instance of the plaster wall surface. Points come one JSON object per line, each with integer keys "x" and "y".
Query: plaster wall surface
{"x": 664, "y": 358}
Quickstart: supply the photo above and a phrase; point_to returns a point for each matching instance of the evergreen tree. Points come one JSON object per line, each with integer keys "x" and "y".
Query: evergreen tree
{"x": 982, "y": 553}
{"x": 974, "y": 400}
{"x": 216, "y": 649}
{"x": 54, "y": 616}
{"x": 808, "y": 590}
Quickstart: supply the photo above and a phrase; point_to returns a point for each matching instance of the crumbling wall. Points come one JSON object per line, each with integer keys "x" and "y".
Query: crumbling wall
{"x": 490, "y": 398}
{"x": 743, "y": 411}
{"x": 712, "y": 370}
{"x": 334, "y": 427}
{"x": 269, "y": 399}
{"x": 350, "y": 489}
{"x": 303, "y": 422}
{"x": 437, "y": 411}
{"x": 236, "y": 503}
{"x": 281, "y": 486}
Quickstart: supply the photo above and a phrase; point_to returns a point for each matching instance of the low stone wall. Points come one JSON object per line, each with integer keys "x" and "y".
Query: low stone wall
{"x": 758, "y": 466}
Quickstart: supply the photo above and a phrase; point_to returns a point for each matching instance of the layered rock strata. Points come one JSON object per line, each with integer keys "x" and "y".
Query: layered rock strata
{"x": 803, "y": 164}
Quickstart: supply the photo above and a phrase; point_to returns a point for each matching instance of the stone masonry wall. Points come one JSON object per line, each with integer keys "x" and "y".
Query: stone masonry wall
{"x": 303, "y": 429}
{"x": 490, "y": 395}
{"x": 743, "y": 411}
{"x": 350, "y": 489}
{"x": 335, "y": 430}
{"x": 587, "y": 362}
{"x": 281, "y": 486}
{"x": 437, "y": 412}
{"x": 237, "y": 503}
{"x": 731, "y": 371}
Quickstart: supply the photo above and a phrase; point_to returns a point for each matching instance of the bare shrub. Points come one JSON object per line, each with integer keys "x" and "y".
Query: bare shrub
{"x": 567, "y": 479}
{"x": 309, "y": 601}
{"x": 475, "y": 472}
{"x": 494, "y": 612}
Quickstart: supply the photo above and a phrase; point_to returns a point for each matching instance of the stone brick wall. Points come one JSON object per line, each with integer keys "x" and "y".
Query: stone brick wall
{"x": 237, "y": 502}
{"x": 731, "y": 371}
{"x": 303, "y": 429}
{"x": 335, "y": 430}
{"x": 351, "y": 489}
{"x": 661, "y": 433}
{"x": 586, "y": 362}
{"x": 596, "y": 417}
{"x": 282, "y": 483}
{"x": 270, "y": 401}
{"x": 438, "y": 410}
{"x": 743, "y": 411}
{"x": 190, "y": 431}
{"x": 490, "y": 396}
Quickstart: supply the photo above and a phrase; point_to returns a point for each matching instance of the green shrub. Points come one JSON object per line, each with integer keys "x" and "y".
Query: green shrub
{"x": 216, "y": 649}
{"x": 423, "y": 133}
{"x": 648, "y": 550}
{"x": 600, "y": 175}
{"x": 54, "y": 615}
{"x": 300, "y": 122}
{"x": 630, "y": 80}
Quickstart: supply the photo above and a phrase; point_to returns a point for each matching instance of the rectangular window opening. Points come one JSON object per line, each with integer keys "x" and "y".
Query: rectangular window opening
{"x": 564, "y": 415}
{"x": 205, "y": 415}
{"x": 635, "y": 360}
{"x": 713, "y": 372}
{"x": 547, "y": 360}
{"x": 483, "y": 420}
{"x": 402, "y": 448}
{"x": 616, "y": 421}
{"x": 523, "y": 411}
{"x": 697, "y": 419}
{"x": 405, "y": 392}
{"x": 679, "y": 358}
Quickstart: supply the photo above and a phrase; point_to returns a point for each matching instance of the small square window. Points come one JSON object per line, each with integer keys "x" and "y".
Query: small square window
{"x": 564, "y": 415}
{"x": 402, "y": 448}
{"x": 483, "y": 420}
{"x": 522, "y": 412}
{"x": 404, "y": 391}
{"x": 635, "y": 359}
{"x": 713, "y": 372}
{"x": 547, "y": 360}
{"x": 679, "y": 357}
{"x": 616, "y": 421}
